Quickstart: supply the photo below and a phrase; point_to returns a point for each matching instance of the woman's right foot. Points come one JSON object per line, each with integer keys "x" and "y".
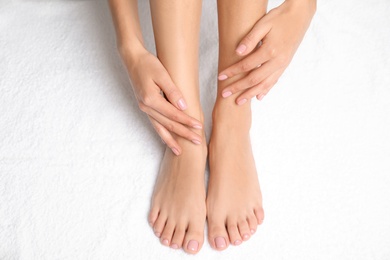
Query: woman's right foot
{"x": 178, "y": 210}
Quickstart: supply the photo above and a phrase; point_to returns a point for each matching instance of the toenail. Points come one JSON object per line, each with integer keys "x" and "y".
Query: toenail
{"x": 157, "y": 234}
{"x": 253, "y": 231}
{"x": 174, "y": 246}
{"x": 220, "y": 242}
{"x": 165, "y": 242}
{"x": 246, "y": 236}
{"x": 193, "y": 245}
{"x": 237, "y": 242}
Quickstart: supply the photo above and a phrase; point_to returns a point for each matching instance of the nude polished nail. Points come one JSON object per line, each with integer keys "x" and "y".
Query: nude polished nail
{"x": 182, "y": 104}
{"x": 222, "y": 77}
{"x": 226, "y": 94}
{"x": 240, "y": 49}
{"x": 175, "y": 151}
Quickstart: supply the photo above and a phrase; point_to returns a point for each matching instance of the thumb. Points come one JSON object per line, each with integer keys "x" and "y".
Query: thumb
{"x": 252, "y": 39}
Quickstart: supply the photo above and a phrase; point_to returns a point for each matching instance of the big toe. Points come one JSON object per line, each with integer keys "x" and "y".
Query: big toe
{"x": 194, "y": 238}
{"x": 217, "y": 234}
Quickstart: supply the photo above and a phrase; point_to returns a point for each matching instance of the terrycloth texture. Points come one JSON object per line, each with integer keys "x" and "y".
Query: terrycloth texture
{"x": 78, "y": 159}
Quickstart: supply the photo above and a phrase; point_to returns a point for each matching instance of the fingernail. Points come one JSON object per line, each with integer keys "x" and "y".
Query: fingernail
{"x": 220, "y": 242}
{"x": 240, "y": 49}
{"x": 260, "y": 97}
{"x": 163, "y": 141}
{"x": 242, "y": 101}
{"x": 182, "y": 104}
{"x": 245, "y": 237}
{"x": 174, "y": 246}
{"x": 175, "y": 151}
{"x": 253, "y": 231}
{"x": 165, "y": 242}
{"x": 197, "y": 126}
{"x": 226, "y": 94}
{"x": 237, "y": 242}
{"x": 222, "y": 77}
{"x": 193, "y": 245}
{"x": 196, "y": 141}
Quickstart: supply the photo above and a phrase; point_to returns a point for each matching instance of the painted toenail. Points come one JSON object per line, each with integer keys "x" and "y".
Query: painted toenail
{"x": 246, "y": 236}
{"x": 157, "y": 234}
{"x": 242, "y": 101}
{"x": 174, "y": 246}
{"x": 165, "y": 242}
{"x": 193, "y": 245}
{"x": 237, "y": 242}
{"x": 253, "y": 231}
{"x": 220, "y": 242}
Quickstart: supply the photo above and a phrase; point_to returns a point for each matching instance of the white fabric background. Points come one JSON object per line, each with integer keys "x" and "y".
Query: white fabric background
{"x": 78, "y": 160}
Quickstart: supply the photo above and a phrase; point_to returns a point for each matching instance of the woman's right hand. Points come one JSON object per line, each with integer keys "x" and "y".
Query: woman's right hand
{"x": 149, "y": 80}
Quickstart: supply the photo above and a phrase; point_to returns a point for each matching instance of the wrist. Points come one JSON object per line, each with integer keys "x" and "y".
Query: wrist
{"x": 130, "y": 51}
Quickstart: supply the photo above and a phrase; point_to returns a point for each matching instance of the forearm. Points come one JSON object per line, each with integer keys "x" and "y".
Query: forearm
{"x": 127, "y": 27}
{"x": 309, "y": 5}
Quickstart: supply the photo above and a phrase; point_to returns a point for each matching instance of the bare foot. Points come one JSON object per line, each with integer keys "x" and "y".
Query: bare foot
{"x": 234, "y": 202}
{"x": 178, "y": 210}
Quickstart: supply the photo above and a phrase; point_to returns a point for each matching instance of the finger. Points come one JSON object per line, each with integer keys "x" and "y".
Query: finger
{"x": 260, "y": 90}
{"x": 169, "y": 111}
{"x": 249, "y": 63}
{"x": 173, "y": 126}
{"x": 252, "y": 39}
{"x": 171, "y": 91}
{"x": 252, "y": 79}
{"x": 166, "y": 136}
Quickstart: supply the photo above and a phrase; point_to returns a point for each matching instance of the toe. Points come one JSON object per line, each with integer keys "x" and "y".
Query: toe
{"x": 259, "y": 212}
{"x": 218, "y": 237}
{"x": 153, "y": 214}
{"x": 178, "y": 237}
{"x": 234, "y": 234}
{"x": 166, "y": 235}
{"x": 244, "y": 229}
{"x": 252, "y": 221}
{"x": 193, "y": 239}
{"x": 159, "y": 225}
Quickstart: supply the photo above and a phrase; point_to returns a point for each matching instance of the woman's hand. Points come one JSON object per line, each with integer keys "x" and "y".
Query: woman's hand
{"x": 150, "y": 81}
{"x": 271, "y": 45}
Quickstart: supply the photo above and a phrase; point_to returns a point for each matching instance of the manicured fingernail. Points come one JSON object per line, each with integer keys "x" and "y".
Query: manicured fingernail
{"x": 260, "y": 97}
{"x": 182, "y": 104}
{"x": 245, "y": 236}
{"x": 222, "y": 77}
{"x": 196, "y": 141}
{"x": 220, "y": 242}
{"x": 241, "y": 101}
{"x": 253, "y": 231}
{"x": 226, "y": 94}
{"x": 175, "y": 151}
{"x": 193, "y": 245}
{"x": 165, "y": 242}
{"x": 174, "y": 246}
{"x": 240, "y": 49}
{"x": 237, "y": 242}
{"x": 197, "y": 126}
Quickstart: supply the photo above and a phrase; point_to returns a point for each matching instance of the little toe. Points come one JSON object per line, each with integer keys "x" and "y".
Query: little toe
{"x": 178, "y": 237}
{"x": 259, "y": 212}
{"x": 159, "y": 225}
{"x": 166, "y": 235}
{"x": 153, "y": 214}
{"x": 193, "y": 239}
{"x": 234, "y": 234}
{"x": 244, "y": 229}
{"x": 218, "y": 237}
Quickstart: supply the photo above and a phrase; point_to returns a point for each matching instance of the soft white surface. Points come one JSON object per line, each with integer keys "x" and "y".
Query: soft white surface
{"x": 78, "y": 160}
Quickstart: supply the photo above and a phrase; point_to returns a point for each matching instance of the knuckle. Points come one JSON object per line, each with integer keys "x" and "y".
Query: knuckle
{"x": 244, "y": 66}
{"x": 142, "y": 106}
{"x": 170, "y": 127}
{"x": 148, "y": 100}
{"x": 250, "y": 37}
{"x": 253, "y": 80}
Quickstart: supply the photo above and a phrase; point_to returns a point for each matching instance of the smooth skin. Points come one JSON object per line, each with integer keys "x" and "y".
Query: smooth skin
{"x": 233, "y": 205}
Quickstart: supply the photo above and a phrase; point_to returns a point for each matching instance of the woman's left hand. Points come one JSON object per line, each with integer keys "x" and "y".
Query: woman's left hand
{"x": 280, "y": 32}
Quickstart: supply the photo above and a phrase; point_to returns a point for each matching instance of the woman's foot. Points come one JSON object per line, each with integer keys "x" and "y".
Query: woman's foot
{"x": 178, "y": 210}
{"x": 234, "y": 202}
